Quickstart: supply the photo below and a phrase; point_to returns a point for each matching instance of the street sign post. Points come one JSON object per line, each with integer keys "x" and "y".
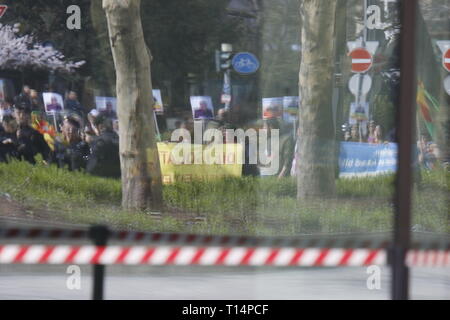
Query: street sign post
{"x": 3, "y": 9}
{"x": 361, "y": 53}
{"x": 362, "y": 60}
{"x": 223, "y": 59}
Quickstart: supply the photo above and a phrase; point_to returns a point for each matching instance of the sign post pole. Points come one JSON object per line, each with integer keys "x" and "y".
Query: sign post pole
{"x": 361, "y": 54}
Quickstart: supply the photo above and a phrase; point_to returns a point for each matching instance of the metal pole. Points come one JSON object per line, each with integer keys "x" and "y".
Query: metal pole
{"x": 227, "y": 87}
{"x": 365, "y": 23}
{"x": 227, "y": 48}
{"x": 99, "y": 235}
{"x": 99, "y": 282}
{"x": 359, "y": 96}
{"x": 404, "y": 180}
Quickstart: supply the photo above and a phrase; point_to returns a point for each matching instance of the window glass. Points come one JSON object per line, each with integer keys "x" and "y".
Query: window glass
{"x": 319, "y": 153}
{"x": 431, "y": 189}
{"x": 268, "y": 118}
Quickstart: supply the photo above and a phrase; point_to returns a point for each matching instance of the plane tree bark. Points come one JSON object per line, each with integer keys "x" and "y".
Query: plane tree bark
{"x": 317, "y": 158}
{"x": 141, "y": 174}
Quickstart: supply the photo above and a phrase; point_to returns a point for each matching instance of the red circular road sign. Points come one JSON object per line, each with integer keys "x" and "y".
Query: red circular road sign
{"x": 362, "y": 60}
{"x": 446, "y": 60}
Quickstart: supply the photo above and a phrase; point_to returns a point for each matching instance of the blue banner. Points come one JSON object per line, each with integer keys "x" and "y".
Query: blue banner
{"x": 364, "y": 159}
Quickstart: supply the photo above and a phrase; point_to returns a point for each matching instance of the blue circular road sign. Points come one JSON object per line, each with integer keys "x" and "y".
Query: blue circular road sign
{"x": 245, "y": 63}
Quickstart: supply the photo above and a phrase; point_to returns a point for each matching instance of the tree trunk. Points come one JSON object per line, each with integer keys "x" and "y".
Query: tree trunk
{"x": 102, "y": 59}
{"x": 316, "y": 165}
{"x": 141, "y": 174}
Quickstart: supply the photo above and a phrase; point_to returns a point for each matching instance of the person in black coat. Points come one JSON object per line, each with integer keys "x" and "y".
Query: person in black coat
{"x": 104, "y": 160}
{"x": 29, "y": 141}
{"x": 8, "y": 139}
{"x": 24, "y": 97}
{"x": 72, "y": 105}
{"x": 72, "y": 152}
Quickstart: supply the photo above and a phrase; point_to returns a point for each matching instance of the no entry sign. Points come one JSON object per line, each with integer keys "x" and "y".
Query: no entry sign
{"x": 2, "y": 10}
{"x": 362, "y": 60}
{"x": 446, "y": 60}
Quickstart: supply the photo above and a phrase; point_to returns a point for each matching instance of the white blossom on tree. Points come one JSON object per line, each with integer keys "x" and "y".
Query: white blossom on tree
{"x": 19, "y": 52}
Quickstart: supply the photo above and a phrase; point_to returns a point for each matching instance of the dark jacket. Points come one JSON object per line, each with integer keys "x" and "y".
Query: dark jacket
{"x": 74, "y": 106}
{"x": 104, "y": 160}
{"x": 23, "y": 99}
{"x": 8, "y": 150}
{"x": 73, "y": 156}
{"x": 30, "y": 143}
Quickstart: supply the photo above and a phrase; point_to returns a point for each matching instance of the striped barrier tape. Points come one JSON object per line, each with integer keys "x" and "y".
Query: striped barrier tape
{"x": 212, "y": 256}
{"x": 374, "y": 241}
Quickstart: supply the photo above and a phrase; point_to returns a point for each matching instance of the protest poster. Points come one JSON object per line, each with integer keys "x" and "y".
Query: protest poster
{"x": 106, "y": 104}
{"x": 290, "y": 109}
{"x": 364, "y": 159}
{"x": 53, "y": 102}
{"x": 272, "y": 108}
{"x": 359, "y": 113}
{"x": 158, "y": 107}
{"x": 187, "y": 171}
{"x": 202, "y": 108}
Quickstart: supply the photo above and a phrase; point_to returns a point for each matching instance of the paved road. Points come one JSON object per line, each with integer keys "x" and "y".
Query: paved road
{"x": 26, "y": 282}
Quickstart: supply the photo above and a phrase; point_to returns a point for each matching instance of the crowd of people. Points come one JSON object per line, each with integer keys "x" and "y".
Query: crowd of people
{"x": 73, "y": 140}
{"x": 373, "y": 133}
{"x": 77, "y": 140}
{"x": 224, "y": 122}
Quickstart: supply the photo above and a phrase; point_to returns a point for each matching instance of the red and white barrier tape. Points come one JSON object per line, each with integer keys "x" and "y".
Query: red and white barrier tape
{"x": 428, "y": 258}
{"x": 211, "y": 256}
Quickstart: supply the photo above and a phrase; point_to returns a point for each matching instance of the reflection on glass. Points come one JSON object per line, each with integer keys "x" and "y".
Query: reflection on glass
{"x": 431, "y": 197}
{"x": 281, "y": 115}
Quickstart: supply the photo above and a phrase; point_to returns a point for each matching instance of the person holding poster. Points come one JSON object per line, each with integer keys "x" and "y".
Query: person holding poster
{"x": 202, "y": 108}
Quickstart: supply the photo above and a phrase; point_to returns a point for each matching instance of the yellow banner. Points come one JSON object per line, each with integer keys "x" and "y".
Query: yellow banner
{"x": 188, "y": 162}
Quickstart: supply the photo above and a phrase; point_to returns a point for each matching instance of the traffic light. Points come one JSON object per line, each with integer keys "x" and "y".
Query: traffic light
{"x": 224, "y": 58}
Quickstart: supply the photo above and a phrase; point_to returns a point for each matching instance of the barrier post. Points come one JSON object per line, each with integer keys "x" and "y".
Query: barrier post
{"x": 99, "y": 235}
